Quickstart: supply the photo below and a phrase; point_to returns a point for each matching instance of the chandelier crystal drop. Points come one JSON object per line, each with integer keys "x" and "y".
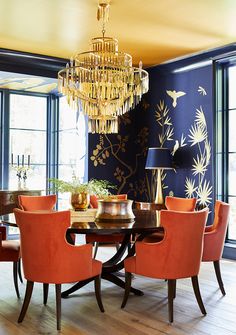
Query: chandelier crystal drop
{"x": 102, "y": 82}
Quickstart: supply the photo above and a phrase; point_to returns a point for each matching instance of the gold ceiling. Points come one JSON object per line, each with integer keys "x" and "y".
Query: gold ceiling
{"x": 151, "y": 30}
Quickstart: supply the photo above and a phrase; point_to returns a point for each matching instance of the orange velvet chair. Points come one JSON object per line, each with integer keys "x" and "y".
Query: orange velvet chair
{"x": 174, "y": 204}
{"x": 214, "y": 238}
{"x": 180, "y": 204}
{"x": 177, "y": 256}
{"x": 37, "y": 203}
{"x": 51, "y": 260}
{"x": 93, "y": 201}
{"x": 10, "y": 252}
{"x": 96, "y": 239}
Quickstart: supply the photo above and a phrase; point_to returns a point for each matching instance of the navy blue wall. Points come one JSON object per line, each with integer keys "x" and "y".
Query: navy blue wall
{"x": 190, "y": 119}
{"x": 185, "y": 120}
{"x": 121, "y": 158}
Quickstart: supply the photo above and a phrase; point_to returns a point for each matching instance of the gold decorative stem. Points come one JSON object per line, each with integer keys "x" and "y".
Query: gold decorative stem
{"x": 159, "y": 195}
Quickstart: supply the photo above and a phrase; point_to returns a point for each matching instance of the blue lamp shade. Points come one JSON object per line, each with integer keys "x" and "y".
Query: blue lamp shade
{"x": 159, "y": 158}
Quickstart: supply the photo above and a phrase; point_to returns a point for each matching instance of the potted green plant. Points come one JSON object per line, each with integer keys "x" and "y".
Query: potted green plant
{"x": 80, "y": 192}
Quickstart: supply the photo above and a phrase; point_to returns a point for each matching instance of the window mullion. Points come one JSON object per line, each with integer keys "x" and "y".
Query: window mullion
{"x": 5, "y": 139}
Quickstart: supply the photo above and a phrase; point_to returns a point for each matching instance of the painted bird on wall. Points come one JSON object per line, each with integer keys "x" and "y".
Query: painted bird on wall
{"x": 174, "y": 95}
{"x": 175, "y": 148}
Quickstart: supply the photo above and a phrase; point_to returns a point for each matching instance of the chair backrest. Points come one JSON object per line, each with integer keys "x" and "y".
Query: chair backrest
{"x": 37, "y": 203}
{"x": 94, "y": 199}
{"x": 46, "y": 255}
{"x": 179, "y": 254}
{"x": 214, "y": 239}
{"x": 180, "y": 204}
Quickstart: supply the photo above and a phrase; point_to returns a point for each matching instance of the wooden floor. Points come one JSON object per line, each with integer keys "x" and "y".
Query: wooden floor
{"x": 146, "y": 315}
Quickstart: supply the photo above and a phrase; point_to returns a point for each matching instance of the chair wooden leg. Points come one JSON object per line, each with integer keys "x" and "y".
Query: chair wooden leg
{"x": 218, "y": 276}
{"x": 15, "y": 273}
{"x": 19, "y": 271}
{"x": 171, "y": 296}
{"x": 58, "y": 305}
{"x": 174, "y": 289}
{"x": 28, "y": 294}
{"x": 128, "y": 278}
{"x": 45, "y": 293}
{"x": 198, "y": 294}
{"x": 96, "y": 245}
{"x": 97, "y": 286}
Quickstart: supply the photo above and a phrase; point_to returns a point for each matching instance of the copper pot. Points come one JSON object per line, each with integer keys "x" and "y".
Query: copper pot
{"x": 115, "y": 210}
{"x": 80, "y": 201}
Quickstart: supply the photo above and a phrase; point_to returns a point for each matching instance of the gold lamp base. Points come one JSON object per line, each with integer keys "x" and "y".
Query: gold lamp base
{"x": 159, "y": 194}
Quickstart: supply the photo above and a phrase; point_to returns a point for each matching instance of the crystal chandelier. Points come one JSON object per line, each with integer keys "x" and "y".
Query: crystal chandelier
{"x": 102, "y": 82}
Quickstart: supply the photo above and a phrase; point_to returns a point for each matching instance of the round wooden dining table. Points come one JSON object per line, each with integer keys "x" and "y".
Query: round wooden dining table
{"x": 145, "y": 222}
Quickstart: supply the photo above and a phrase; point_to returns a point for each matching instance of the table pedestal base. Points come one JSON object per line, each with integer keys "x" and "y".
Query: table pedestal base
{"x": 107, "y": 276}
{"x": 111, "y": 267}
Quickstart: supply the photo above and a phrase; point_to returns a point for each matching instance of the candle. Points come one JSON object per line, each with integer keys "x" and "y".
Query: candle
{"x": 11, "y": 159}
{"x": 28, "y": 160}
{"x": 23, "y": 158}
{"x": 18, "y": 160}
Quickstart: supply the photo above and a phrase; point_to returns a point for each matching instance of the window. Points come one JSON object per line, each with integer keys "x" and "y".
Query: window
{"x": 29, "y": 121}
{"x": 28, "y": 139}
{"x": 72, "y": 146}
{"x": 232, "y": 151}
{"x": 72, "y": 142}
{"x": 42, "y": 133}
{"x": 226, "y": 139}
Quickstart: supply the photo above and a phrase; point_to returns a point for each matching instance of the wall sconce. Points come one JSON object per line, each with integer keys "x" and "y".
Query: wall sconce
{"x": 159, "y": 159}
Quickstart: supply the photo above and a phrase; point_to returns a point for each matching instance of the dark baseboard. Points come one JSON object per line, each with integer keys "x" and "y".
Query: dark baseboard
{"x": 229, "y": 251}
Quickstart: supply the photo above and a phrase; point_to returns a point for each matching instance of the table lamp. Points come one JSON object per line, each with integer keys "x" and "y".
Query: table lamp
{"x": 159, "y": 159}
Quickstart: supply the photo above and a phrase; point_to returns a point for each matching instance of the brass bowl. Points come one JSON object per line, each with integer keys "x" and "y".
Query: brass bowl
{"x": 115, "y": 210}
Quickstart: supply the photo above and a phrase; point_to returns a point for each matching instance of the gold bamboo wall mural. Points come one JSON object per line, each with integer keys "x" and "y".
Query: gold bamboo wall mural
{"x": 175, "y": 116}
{"x": 114, "y": 148}
{"x": 199, "y": 186}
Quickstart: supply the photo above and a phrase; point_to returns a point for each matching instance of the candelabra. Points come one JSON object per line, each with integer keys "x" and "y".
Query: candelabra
{"x": 21, "y": 171}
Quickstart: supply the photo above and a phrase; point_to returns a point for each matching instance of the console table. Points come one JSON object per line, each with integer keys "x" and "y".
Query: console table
{"x": 9, "y": 199}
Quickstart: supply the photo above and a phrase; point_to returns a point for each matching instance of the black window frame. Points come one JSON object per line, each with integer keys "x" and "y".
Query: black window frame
{"x": 51, "y": 134}
{"x": 221, "y": 68}
{"x": 37, "y": 65}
